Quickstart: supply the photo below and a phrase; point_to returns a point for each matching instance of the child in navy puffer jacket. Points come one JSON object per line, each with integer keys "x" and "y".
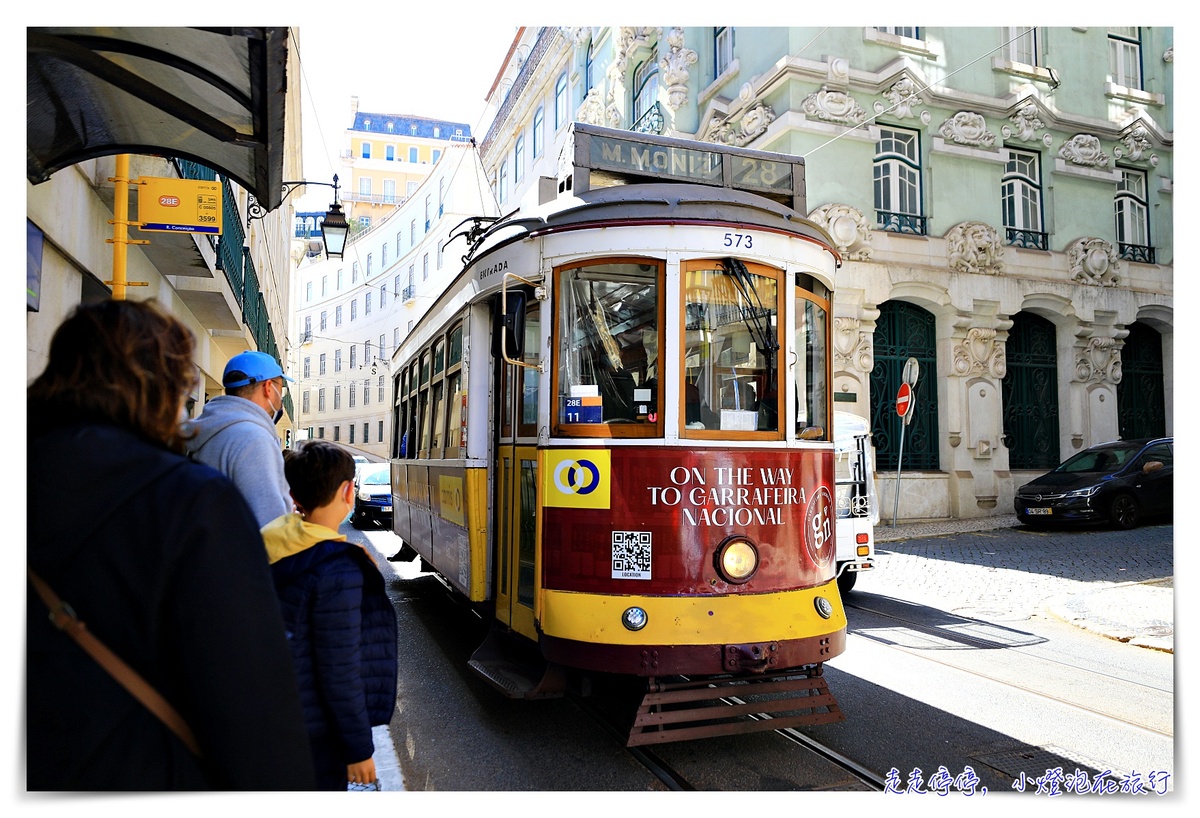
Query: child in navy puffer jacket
{"x": 341, "y": 625}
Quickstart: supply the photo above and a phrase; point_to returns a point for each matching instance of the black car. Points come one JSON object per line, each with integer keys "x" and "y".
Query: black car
{"x": 1118, "y": 482}
{"x": 372, "y": 495}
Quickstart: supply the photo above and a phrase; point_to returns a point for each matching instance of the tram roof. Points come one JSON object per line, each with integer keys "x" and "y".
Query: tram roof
{"x": 649, "y": 203}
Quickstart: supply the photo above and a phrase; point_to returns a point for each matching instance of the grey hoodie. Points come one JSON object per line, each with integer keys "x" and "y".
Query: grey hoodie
{"x": 235, "y": 436}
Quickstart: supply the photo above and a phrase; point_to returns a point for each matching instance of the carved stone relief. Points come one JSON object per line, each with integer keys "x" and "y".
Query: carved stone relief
{"x": 902, "y": 96}
{"x": 1136, "y": 142}
{"x": 834, "y": 106}
{"x": 974, "y": 247}
{"x": 1098, "y": 360}
{"x": 1083, "y": 149}
{"x": 1025, "y": 124}
{"x": 852, "y": 347}
{"x": 592, "y": 109}
{"x": 848, "y": 227}
{"x": 674, "y": 67}
{"x": 1094, "y": 261}
{"x": 739, "y": 131}
{"x": 968, "y": 128}
{"x": 979, "y": 354}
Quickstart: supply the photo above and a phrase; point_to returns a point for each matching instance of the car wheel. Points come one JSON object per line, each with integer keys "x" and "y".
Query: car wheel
{"x": 356, "y": 519}
{"x": 1123, "y": 512}
{"x": 846, "y": 581}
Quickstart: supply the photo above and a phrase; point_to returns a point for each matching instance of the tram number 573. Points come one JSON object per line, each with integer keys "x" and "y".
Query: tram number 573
{"x": 739, "y": 240}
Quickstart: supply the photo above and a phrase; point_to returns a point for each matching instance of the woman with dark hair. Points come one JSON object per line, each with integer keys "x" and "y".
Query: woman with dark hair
{"x": 162, "y": 561}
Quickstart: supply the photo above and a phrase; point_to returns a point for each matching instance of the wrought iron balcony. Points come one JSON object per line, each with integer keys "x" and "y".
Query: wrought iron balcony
{"x": 901, "y": 222}
{"x": 1033, "y": 239}
{"x": 1136, "y": 252}
{"x": 410, "y": 292}
{"x": 650, "y": 122}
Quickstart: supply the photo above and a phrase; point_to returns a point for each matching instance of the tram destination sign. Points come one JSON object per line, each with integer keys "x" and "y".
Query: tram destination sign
{"x": 603, "y": 156}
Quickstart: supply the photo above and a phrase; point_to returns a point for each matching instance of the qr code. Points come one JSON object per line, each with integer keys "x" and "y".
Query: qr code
{"x": 631, "y": 555}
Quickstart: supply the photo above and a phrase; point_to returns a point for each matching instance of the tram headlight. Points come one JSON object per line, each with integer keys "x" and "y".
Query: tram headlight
{"x": 634, "y": 618}
{"x": 737, "y": 560}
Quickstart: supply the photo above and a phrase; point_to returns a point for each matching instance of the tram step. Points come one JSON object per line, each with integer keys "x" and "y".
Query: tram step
{"x": 516, "y": 673}
{"x": 690, "y": 709}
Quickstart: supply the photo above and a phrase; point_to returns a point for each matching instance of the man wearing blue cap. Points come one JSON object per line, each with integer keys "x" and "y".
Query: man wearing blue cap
{"x": 235, "y": 433}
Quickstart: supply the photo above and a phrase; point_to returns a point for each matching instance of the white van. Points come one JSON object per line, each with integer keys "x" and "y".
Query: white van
{"x": 857, "y": 505}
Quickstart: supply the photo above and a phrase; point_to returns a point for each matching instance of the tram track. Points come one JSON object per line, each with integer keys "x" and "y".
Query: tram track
{"x": 986, "y": 644}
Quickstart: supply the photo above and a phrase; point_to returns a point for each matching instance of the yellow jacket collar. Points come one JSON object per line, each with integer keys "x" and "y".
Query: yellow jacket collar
{"x": 290, "y": 534}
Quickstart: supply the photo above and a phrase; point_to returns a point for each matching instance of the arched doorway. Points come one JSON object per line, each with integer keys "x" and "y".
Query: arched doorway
{"x": 1141, "y": 409}
{"x": 1030, "y": 393}
{"x": 904, "y": 331}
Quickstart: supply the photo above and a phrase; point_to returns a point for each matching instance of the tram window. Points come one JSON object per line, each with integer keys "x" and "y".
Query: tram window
{"x": 530, "y": 378}
{"x": 731, "y": 348}
{"x": 609, "y": 337}
{"x": 436, "y": 422}
{"x": 456, "y": 339}
{"x": 439, "y": 358}
{"x": 423, "y": 407}
{"x": 424, "y": 368}
{"x": 812, "y": 385}
{"x": 453, "y": 413}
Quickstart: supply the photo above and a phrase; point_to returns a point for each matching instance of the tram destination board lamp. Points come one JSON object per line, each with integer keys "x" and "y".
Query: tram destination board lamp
{"x": 334, "y": 227}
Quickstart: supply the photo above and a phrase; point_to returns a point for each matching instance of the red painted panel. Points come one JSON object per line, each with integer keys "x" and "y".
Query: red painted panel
{"x": 682, "y": 504}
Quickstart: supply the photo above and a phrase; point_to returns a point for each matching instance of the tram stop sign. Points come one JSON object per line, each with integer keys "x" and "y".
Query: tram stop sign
{"x": 904, "y": 402}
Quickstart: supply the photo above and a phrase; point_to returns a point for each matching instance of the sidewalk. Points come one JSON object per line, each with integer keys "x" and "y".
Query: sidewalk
{"x": 1140, "y": 613}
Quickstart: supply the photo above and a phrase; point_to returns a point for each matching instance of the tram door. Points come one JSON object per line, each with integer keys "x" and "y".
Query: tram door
{"x": 516, "y": 484}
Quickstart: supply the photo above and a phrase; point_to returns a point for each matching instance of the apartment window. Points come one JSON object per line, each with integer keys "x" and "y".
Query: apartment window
{"x": 324, "y": 286}
{"x": 353, "y": 356}
{"x": 398, "y": 234}
{"x": 1021, "y": 200}
{"x": 441, "y": 247}
{"x": 307, "y": 327}
{"x": 324, "y": 319}
{"x": 395, "y": 337}
{"x": 364, "y": 185}
{"x": 382, "y": 296}
{"x": 366, "y": 150}
{"x": 369, "y": 264}
{"x": 354, "y": 273}
{"x": 412, "y": 275}
{"x": 366, "y": 428}
{"x": 367, "y": 304}
{"x": 337, "y": 316}
{"x": 383, "y": 256}
{"x": 1022, "y": 44}
{"x": 321, "y": 365}
{"x": 437, "y": 154}
{"x": 389, "y": 152}
{"x": 412, "y": 155}
{"x": 560, "y": 101}
{"x": 351, "y": 440}
{"x": 337, "y": 404}
{"x": 411, "y": 188}
{"x": 396, "y": 285}
{"x": 354, "y": 310}
{"x": 382, "y": 339}
{"x": 428, "y": 206}
{"x": 502, "y": 182}
{"x": 364, "y": 223}
{"x": 425, "y": 267}
{"x": 900, "y": 31}
{"x": 321, "y": 405}
{"x": 518, "y": 159}
{"x": 1133, "y": 217}
{"x": 412, "y": 233}
{"x": 645, "y": 80}
{"x": 1125, "y": 56}
{"x": 898, "y": 182}
{"x": 723, "y": 47}
{"x": 381, "y": 429}
{"x": 367, "y": 392}
{"x": 340, "y": 279}
{"x": 381, "y": 401}
{"x": 539, "y": 120}
{"x": 307, "y": 367}
{"x": 308, "y": 291}
{"x": 352, "y": 394}
{"x": 320, "y": 432}
{"x": 589, "y": 68}
{"x": 307, "y": 402}
{"x": 337, "y": 360}
{"x": 441, "y": 195}
{"x": 337, "y": 433}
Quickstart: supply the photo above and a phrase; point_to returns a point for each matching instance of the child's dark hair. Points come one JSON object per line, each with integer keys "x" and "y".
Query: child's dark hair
{"x": 315, "y": 471}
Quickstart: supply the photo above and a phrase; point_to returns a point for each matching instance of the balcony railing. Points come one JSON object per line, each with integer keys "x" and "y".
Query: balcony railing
{"x": 410, "y": 292}
{"x": 650, "y": 122}
{"x": 1033, "y": 239}
{"x": 1136, "y": 252}
{"x": 374, "y": 198}
{"x": 900, "y": 222}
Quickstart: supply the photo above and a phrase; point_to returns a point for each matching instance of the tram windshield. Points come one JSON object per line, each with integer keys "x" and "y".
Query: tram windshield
{"x": 731, "y": 348}
{"x": 609, "y": 328}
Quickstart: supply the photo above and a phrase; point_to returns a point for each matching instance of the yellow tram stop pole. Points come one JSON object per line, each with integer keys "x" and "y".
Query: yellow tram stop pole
{"x": 120, "y": 222}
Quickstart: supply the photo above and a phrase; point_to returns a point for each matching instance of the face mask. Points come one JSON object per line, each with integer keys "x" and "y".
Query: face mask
{"x": 278, "y": 413}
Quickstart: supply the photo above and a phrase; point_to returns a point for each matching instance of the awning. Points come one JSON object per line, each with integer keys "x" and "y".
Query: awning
{"x": 211, "y": 95}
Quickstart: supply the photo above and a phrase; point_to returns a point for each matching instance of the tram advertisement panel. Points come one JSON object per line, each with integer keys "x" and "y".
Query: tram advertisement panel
{"x": 647, "y": 520}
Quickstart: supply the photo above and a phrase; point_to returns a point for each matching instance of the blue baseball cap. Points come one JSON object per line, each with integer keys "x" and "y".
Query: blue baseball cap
{"x": 252, "y": 367}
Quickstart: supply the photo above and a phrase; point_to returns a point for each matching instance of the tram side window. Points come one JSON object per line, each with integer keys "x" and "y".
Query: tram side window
{"x": 609, "y": 337}
{"x": 423, "y": 406}
{"x": 731, "y": 347}
{"x": 454, "y": 391}
{"x": 437, "y": 404}
{"x": 812, "y": 353}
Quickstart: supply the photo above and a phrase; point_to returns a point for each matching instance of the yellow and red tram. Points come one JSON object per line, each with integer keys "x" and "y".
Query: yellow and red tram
{"x": 614, "y": 431}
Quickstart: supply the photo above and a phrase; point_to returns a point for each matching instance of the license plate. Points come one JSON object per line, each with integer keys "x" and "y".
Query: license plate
{"x": 1037, "y": 511}
{"x": 389, "y": 508}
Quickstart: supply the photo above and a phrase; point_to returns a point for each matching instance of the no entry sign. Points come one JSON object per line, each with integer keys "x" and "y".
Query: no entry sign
{"x": 904, "y": 404}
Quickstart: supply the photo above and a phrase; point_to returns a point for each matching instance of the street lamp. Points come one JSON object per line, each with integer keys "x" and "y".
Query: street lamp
{"x": 334, "y": 228}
